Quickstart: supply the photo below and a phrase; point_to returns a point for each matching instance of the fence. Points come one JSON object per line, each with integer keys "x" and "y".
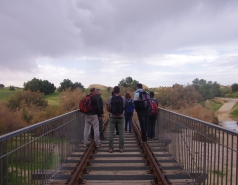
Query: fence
{"x": 206, "y": 151}
{"x": 33, "y": 154}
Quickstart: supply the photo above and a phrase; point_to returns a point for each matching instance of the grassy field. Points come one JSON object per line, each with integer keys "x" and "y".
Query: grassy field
{"x": 53, "y": 99}
{"x": 5, "y": 93}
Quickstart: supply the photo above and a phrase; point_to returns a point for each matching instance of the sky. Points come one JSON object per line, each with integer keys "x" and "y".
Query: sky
{"x": 156, "y": 42}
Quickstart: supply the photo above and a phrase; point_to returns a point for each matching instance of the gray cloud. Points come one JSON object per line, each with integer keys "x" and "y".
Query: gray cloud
{"x": 126, "y": 31}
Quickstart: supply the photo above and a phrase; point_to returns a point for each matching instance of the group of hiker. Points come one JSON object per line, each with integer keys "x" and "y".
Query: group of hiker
{"x": 120, "y": 108}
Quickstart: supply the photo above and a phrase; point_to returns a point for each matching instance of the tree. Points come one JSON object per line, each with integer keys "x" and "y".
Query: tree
{"x": 2, "y": 86}
{"x": 234, "y": 87}
{"x": 128, "y": 82}
{"x": 109, "y": 89}
{"x": 78, "y": 85}
{"x": 69, "y": 84}
{"x": 35, "y": 85}
{"x": 11, "y": 88}
{"x": 208, "y": 90}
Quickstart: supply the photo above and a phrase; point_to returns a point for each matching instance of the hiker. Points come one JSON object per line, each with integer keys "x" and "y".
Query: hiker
{"x": 107, "y": 106}
{"x": 129, "y": 109}
{"x": 98, "y": 94}
{"x": 142, "y": 110}
{"x": 152, "y": 119}
{"x": 116, "y": 105}
{"x": 92, "y": 119}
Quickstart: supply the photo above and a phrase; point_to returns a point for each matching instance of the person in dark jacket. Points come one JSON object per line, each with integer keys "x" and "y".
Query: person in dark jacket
{"x": 116, "y": 119}
{"x": 92, "y": 119}
{"x": 143, "y": 114}
{"x": 152, "y": 121}
{"x": 98, "y": 94}
{"x": 129, "y": 109}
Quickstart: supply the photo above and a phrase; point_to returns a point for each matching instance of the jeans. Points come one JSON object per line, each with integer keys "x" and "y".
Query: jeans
{"x": 151, "y": 127}
{"x": 128, "y": 119}
{"x": 91, "y": 120}
{"x": 113, "y": 122}
{"x": 143, "y": 119}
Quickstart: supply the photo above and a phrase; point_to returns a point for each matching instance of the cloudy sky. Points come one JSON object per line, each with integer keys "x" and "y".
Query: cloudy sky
{"x": 156, "y": 42}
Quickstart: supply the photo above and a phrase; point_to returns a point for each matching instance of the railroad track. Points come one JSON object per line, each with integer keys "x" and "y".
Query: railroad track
{"x": 136, "y": 165}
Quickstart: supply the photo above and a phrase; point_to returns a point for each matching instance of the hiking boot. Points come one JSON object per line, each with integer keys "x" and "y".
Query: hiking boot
{"x": 110, "y": 150}
{"x": 121, "y": 150}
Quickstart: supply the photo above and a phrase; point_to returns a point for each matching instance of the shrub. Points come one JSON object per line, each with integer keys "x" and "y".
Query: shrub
{"x": 201, "y": 113}
{"x": 69, "y": 99}
{"x": 7, "y": 123}
{"x": 28, "y": 99}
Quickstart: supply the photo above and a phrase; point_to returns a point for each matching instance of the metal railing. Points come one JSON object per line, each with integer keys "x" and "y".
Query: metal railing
{"x": 206, "y": 151}
{"x": 33, "y": 154}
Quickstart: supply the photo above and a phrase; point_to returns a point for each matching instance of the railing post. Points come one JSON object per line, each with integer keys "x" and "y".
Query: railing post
{"x": 236, "y": 160}
{"x": 205, "y": 151}
{"x": 1, "y": 165}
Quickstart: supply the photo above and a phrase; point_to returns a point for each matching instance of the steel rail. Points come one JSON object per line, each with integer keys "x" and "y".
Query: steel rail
{"x": 81, "y": 169}
{"x": 159, "y": 177}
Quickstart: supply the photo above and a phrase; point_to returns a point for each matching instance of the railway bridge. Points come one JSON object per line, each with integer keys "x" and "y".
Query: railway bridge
{"x": 188, "y": 151}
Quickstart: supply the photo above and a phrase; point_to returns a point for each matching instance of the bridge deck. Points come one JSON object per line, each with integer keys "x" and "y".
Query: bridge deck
{"x": 129, "y": 167}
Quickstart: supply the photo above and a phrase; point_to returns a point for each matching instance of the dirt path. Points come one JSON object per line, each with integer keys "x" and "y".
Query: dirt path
{"x": 224, "y": 112}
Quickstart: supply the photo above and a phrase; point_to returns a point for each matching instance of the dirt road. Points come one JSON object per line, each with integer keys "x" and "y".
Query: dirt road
{"x": 224, "y": 112}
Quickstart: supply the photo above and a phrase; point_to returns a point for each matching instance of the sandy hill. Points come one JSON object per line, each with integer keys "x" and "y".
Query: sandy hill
{"x": 97, "y": 86}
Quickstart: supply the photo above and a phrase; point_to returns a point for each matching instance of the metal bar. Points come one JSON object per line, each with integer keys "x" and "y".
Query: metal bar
{"x": 1, "y": 164}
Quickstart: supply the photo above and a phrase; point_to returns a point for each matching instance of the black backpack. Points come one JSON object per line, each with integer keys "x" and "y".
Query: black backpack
{"x": 116, "y": 107}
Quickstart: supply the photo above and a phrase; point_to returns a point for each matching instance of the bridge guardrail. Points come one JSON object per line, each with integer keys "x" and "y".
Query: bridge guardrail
{"x": 33, "y": 154}
{"x": 207, "y": 152}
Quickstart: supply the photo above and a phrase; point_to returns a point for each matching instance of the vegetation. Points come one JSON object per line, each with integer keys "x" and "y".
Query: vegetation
{"x": 2, "y": 86}
{"x": 29, "y": 107}
{"x": 26, "y": 99}
{"x": 208, "y": 90}
{"x": 178, "y": 96}
{"x": 36, "y": 85}
{"x": 213, "y": 104}
{"x": 68, "y": 84}
{"x": 5, "y": 93}
{"x": 234, "y": 87}
{"x": 128, "y": 82}
{"x": 234, "y": 112}
{"x": 11, "y": 88}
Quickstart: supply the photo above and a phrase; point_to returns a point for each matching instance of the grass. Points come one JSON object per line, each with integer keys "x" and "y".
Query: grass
{"x": 53, "y": 99}
{"x": 212, "y": 105}
{"x": 234, "y": 112}
{"x": 5, "y": 93}
{"x": 232, "y": 95}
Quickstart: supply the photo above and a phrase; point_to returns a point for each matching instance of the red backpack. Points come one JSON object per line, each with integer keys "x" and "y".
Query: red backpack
{"x": 154, "y": 108}
{"x": 85, "y": 104}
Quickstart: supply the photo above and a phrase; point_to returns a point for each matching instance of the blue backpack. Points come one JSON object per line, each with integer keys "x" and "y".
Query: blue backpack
{"x": 129, "y": 108}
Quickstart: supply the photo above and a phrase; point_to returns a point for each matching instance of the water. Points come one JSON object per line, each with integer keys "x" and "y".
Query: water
{"x": 230, "y": 125}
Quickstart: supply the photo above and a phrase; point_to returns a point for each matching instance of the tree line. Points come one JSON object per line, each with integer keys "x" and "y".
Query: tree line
{"x": 30, "y": 106}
